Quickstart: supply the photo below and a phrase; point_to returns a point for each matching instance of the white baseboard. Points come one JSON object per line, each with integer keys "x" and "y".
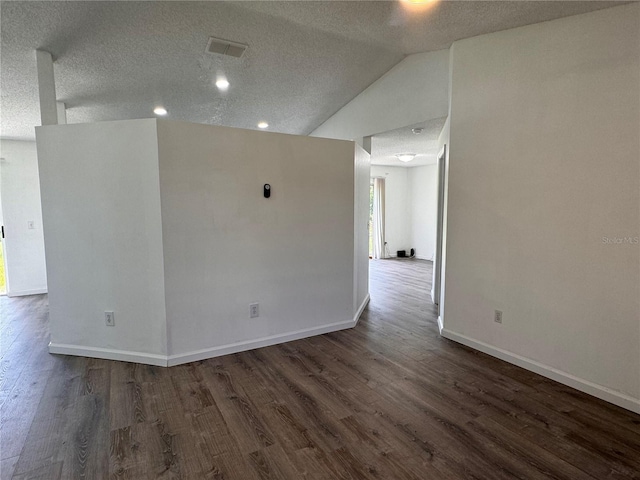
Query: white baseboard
{"x": 194, "y": 356}
{"x": 604, "y": 393}
{"x": 441, "y": 326}
{"x": 364, "y": 304}
{"x": 197, "y": 355}
{"x": 24, "y": 293}
{"x": 109, "y": 354}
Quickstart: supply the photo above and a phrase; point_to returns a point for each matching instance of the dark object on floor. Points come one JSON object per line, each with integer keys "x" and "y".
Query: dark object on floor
{"x": 402, "y": 253}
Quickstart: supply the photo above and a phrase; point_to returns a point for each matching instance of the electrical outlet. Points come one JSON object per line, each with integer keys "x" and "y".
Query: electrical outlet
{"x": 254, "y": 310}
{"x": 498, "y": 316}
{"x": 109, "y": 319}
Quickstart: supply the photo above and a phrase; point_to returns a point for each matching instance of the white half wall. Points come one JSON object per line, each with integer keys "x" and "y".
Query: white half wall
{"x": 415, "y": 90}
{"x": 165, "y": 224}
{"x": 226, "y": 246}
{"x": 103, "y": 235}
{"x": 544, "y": 199}
{"x": 22, "y": 215}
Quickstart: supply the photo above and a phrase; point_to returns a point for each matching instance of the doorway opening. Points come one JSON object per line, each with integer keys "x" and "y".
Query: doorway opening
{"x": 405, "y": 162}
{"x": 3, "y": 273}
{"x": 370, "y": 223}
{"x": 437, "y": 264}
{"x": 3, "y": 281}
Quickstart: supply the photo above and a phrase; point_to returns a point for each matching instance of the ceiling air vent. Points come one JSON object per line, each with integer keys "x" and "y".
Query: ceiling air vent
{"x": 225, "y": 47}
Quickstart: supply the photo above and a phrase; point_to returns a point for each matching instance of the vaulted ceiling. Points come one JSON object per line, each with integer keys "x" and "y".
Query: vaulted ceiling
{"x": 306, "y": 59}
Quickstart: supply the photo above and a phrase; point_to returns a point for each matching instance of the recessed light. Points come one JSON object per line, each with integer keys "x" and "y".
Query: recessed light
{"x": 222, "y": 83}
{"x": 263, "y": 125}
{"x": 419, "y": 6}
{"x": 417, "y": 131}
{"x": 160, "y": 111}
{"x": 405, "y": 157}
{"x": 418, "y": 2}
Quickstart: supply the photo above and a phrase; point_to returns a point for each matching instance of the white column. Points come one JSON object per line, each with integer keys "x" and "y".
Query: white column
{"x": 46, "y": 88}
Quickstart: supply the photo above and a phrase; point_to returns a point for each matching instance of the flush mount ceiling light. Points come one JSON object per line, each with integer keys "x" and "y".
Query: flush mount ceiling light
{"x": 405, "y": 157}
{"x": 160, "y": 111}
{"x": 263, "y": 125}
{"x": 222, "y": 83}
{"x": 417, "y": 131}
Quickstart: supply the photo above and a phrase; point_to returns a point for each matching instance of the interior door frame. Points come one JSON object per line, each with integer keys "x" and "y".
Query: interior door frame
{"x": 2, "y": 241}
{"x": 437, "y": 264}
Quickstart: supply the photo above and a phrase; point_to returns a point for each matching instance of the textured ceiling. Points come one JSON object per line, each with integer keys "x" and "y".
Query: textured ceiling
{"x": 385, "y": 146}
{"x": 306, "y": 59}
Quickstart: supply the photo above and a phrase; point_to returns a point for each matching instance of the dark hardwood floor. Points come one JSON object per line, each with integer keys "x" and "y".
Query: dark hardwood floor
{"x": 389, "y": 399}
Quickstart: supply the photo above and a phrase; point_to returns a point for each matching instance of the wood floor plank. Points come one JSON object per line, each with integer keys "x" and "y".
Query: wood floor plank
{"x": 18, "y": 359}
{"x": 142, "y": 450}
{"x": 556, "y": 443}
{"x": 323, "y": 429}
{"x": 17, "y": 413}
{"x": 389, "y": 399}
{"x": 8, "y": 466}
{"x": 238, "y": 410}
{"x": 375, "y": 453}
{"x": 272, "y": 463}
{"x": 85, "y": 451}
{"x": 126, "y": 406}
{"x": 51, "y": 471}
{"x": 532, "y": 460}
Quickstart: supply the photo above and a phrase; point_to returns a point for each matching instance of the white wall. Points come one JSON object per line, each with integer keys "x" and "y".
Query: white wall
{"x": 544, "y": 165}
{"x": 397, "y": 215}
{"x": 423, "y": 200}
{"x": 410, "y": 208}
{"x": 103, "y": 234}
{"x": 361, "y": 229}
{"x": 24, "y": 255}
{"x": 413, "y": 91}
{"x": 165, "y": 224}
{"x": 226, "y": 246}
